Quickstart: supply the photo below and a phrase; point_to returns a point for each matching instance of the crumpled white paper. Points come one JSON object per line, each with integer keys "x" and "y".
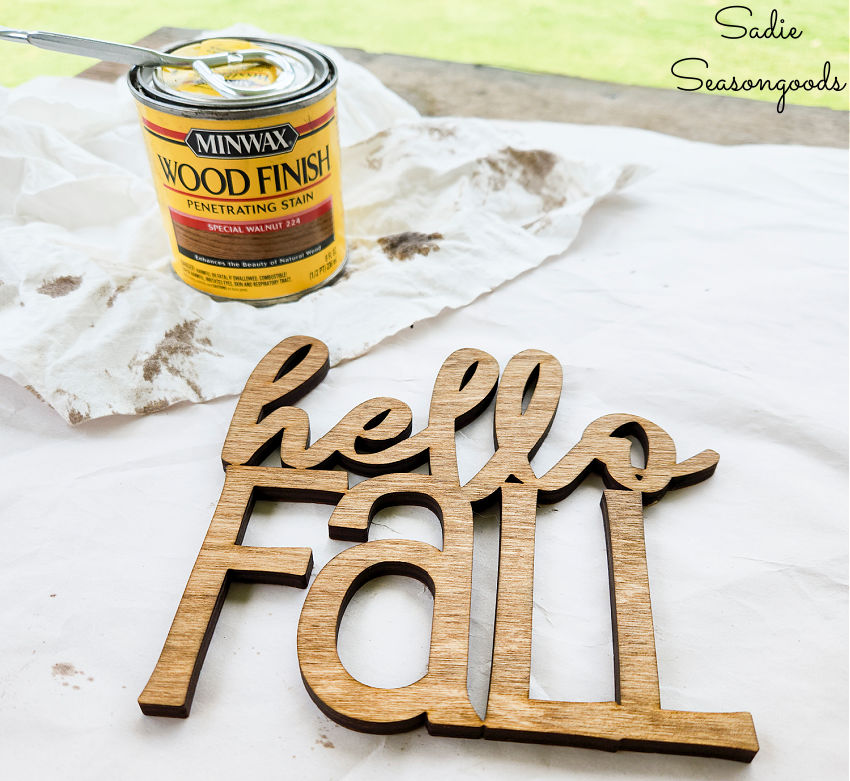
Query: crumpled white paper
{"x": 93, "y": 320}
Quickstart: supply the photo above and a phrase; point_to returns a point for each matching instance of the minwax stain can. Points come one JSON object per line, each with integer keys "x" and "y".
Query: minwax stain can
{"x": 248, "y": 184}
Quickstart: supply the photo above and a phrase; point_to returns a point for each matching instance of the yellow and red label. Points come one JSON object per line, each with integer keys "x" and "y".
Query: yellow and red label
{"x": 253, "y": 207}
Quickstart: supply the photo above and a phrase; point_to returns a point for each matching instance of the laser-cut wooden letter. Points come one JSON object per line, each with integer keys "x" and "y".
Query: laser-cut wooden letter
{"x": 440, "y": 696}
{"x": 635, "y": 720}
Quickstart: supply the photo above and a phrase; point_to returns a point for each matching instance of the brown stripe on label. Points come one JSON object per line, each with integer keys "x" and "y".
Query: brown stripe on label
{"x": 288, "y": 240}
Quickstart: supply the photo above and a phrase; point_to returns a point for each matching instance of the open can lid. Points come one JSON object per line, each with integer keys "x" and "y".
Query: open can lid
{"x": 274, "y": 73}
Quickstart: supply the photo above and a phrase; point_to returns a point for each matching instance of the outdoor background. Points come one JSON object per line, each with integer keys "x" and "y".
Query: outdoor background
{"x": 625, "y": 41}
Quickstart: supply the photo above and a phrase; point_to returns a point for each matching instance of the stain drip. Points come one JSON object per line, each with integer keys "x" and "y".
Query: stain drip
{"x": 176, "y": 345}
{"x": 60, "y": 286}
{"x": 403, "y": 246}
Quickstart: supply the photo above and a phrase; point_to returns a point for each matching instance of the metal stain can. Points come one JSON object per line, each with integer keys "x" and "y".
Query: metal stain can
{"x": 249, "y": 183}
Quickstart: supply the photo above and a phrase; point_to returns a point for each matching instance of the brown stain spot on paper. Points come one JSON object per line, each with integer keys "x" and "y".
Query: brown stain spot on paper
{"x": 530, "y": 168}
{"x": 65, "y": 670}
{"x": 34, "y": 392}
{"x": 403, "y": 246}
{"x": 176, "y": 342}
{"x": 536, "y": 164}
{"x": 60, "y": 286}
{"x": 118, "y": 291}
{"x": 152, "y": 406}
{"x": 75, "y": 416}
{"x": 323, "y": 740}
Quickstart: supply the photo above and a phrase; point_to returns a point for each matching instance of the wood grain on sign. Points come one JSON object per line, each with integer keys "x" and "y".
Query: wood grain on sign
{"x": 223, "y": 559}
{"x": 635, "y": 720}
{"x": 263, "y": 413}
{"x": 439, "y": 698}
{"x": 375, "y": 439}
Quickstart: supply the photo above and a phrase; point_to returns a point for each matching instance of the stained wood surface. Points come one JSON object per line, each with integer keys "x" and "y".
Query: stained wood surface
{"x": 635, "y": 720}
{"x": 375, "y": 439}
{"x": 224, "y": 559}
{"x": 440, "y": 698}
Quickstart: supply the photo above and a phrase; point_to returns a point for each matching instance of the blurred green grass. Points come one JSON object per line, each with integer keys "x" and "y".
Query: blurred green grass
{"x": 624, "y": 41}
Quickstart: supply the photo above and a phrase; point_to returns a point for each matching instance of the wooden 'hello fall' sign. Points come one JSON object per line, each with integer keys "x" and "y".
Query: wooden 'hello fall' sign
{"x": 374, "y": 439}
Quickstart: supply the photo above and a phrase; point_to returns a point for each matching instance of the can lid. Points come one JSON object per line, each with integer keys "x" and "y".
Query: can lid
{"x": 276, "y": 71}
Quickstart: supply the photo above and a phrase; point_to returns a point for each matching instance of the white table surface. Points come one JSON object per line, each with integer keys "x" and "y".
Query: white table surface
{"x": 711, "y": 298}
